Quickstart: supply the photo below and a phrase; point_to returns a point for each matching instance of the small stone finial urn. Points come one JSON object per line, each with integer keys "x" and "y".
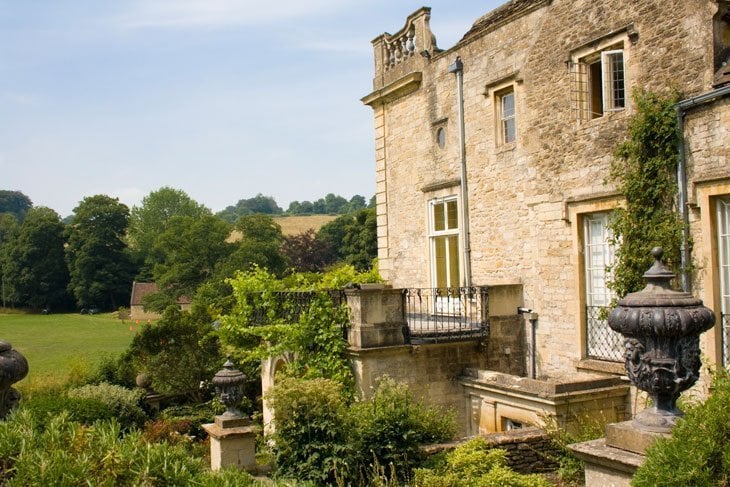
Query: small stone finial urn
{"x": 228, "y": 384}
{"x": 13, "y": 368}
{"x": 661, "y": 328}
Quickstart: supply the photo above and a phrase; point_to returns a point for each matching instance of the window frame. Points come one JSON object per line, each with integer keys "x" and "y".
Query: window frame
{"x": 447, "y": 234}
{"x": 503, "y": 120}
{"x": 599, "y": 74}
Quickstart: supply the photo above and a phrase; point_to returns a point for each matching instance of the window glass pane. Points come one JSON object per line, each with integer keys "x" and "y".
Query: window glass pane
{"x": 439, "y": 219}
{"x": 453, "y": 261}
{"x": 508, "y": 105}
{"x": 439, "y": 251}
{"x": 614, "y": 96}
{"x": 453, "y": 216}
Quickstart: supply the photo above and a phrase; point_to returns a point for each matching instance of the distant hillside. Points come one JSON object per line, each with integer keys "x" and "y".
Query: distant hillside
{"x": 294, "y": 225}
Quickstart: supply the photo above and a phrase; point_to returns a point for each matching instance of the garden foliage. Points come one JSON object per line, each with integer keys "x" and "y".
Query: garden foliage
{"x": 296, "y": 315}
{"x": 698, "y": 452}
{"x": 473, "y": 464}
{"x": 63, "y": 452}
{"x": 321, "y": 436}
{"x": 644, "y": 171}
{"x": 178, "y": 352}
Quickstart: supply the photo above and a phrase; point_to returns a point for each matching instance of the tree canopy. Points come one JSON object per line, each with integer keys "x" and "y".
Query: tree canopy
{"x": 152, "y": 218}
{"x": 36, "y": 274}
{"x": 259, "y": 204}
{"x": 99, "y": 265}
{"x": 15, "y": 203}
{"x": 353, "y": 237}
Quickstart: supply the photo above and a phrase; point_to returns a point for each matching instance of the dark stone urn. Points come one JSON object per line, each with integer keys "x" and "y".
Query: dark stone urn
{"x": 13, "y": 367}
{"x": 228, "y": 383}
{"x": 662, "y": 330}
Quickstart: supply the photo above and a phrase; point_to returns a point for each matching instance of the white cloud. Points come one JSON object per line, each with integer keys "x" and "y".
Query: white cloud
{"x": 213, "y": 13}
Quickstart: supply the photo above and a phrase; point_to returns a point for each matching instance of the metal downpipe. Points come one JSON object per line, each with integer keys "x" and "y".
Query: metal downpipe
{"x": 457, "y": 67}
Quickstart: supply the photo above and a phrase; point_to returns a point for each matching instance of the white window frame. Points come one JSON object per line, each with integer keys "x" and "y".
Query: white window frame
{"x": 593, "y": 273}
{"x": 614, "y": 87}
{"x": 505, "y": 118}
{"x": 612, "y": 58}
{"x": 445, "y": 233}
{"x": 723, "y": 251}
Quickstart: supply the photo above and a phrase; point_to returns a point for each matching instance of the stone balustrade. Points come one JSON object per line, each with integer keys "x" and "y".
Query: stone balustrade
{"x": 405, "y": 51}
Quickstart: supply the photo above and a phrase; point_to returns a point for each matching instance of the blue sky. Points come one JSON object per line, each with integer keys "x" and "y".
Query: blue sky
{"x": 223, "y": 99}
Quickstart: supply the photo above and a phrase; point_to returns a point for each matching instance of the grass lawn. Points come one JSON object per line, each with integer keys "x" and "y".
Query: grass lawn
{"x": 58, "y": 346}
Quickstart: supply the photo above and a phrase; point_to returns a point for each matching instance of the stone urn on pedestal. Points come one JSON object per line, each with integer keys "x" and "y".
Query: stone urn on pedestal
{"x": 661, "y": 328}
{"x": 232, "y": 436}
{"x": 13, "y": 368}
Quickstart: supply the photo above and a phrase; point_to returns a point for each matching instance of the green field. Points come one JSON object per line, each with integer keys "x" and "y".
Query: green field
{"x": 60, "y": 345}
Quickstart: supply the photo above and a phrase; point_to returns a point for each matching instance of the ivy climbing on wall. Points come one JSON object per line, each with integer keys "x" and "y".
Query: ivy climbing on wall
{"x": 644, "y": 171}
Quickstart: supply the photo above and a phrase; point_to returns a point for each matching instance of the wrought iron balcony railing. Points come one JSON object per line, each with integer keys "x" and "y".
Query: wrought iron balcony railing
{"x": 446, "y": 314}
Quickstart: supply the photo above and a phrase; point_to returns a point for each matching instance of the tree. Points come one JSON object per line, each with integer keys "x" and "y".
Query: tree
{"x": 306, "y": 253}
{"x": 260, "y": 244}
{"x": 36, "y": 269}
{"x": 188, "y": 252}
{"x": 353, "y": 237}
{"x": 152, "y": 218}
{"x": 15, "y": 203}
{"x": 8, "y": 233}
{"x": 259, "y": 204}
{"x": 99, "y": 264}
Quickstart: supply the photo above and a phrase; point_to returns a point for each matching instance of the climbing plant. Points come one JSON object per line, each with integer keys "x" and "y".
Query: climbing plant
{"x": 644, "y": 171}
{"x": 301, "y": 315}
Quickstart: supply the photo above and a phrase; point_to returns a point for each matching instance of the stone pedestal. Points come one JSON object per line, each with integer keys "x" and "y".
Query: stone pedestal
{"x": 232, "y": 443}
{"x": 612, "y": 461}
{"x": 376, "y": 316}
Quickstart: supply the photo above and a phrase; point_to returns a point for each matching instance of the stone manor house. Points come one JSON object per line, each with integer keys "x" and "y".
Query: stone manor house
{"x": 492, "y": 158}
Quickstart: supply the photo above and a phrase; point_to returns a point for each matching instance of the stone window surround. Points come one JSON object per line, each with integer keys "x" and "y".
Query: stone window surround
{"x": 574, "y": 210}
{"x": 617, "y": 39}
{"x": 493, "y": 91}
{"x": 707, "y": 192}
{"x": 501, "y": 119}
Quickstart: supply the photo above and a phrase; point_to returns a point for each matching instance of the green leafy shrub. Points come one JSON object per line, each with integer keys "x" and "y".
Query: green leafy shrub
{"x": 194, "y": 416}
{"x": 178, "y": 353}
{"x": 63, "y": 452}
{"x": 114, "y": 369}
{"x": 51, "y": 404}
{"x": 582, "y": 428}
{"x": 698, "y": 453}
{"x": 473, "y": 464}
{"x": 392, "y": 425}
{"x": 310, "y": 439}
{"x": 123, "y": 403}
{"x": 321, "y": 438}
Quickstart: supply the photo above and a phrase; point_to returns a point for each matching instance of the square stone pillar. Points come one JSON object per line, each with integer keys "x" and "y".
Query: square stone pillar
{"x": 612, "y": 461}
{"x": 376, "y": 316}
{"x": 232, "y": 443}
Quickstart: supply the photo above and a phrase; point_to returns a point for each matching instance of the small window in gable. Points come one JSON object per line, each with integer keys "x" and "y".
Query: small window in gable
{"x": 598, "y": 84}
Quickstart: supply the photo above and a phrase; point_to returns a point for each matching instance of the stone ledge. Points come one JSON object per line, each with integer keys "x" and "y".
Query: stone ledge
{"x": 596, "y": 452}
{"x": 626, "y": 436}
{"x": 217, "y": 432}
{"x": 602, "y": 366}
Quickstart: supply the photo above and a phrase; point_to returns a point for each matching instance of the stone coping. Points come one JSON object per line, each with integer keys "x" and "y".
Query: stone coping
{"x": 626, "y": 436}
{"x": 217, "y": 432}
{"x": 579, "y": 382}
{"x": 596, "y": 452}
